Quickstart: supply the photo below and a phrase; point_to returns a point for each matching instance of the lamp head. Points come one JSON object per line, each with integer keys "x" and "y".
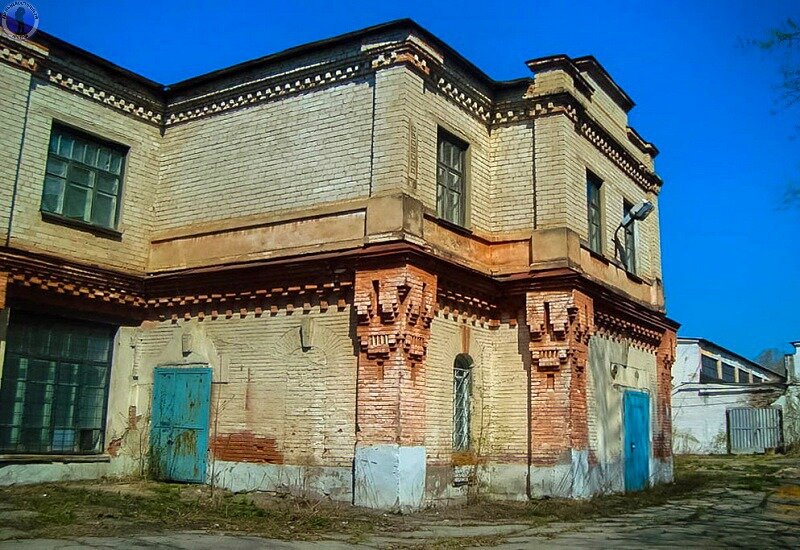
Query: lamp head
{"x": 639, "y": 212}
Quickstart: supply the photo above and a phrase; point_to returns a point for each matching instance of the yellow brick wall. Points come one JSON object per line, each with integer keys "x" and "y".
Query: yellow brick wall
{"x": 499, "y": 394}
{"x": 12, "y": 111}
{"x": 266, "y": 384}
{"x": 298, "y": 152}
{"x": 430, "y": 110}
{"x": 604, "y": 392}
{"x": 29, "y": 231}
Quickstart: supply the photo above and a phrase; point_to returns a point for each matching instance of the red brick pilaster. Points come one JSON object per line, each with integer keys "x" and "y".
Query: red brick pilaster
{"x": 662, "y": 434}
{"x": 394, "y": 307}
{"x": 3, "y": 288}
{"x": 560, "y": 324}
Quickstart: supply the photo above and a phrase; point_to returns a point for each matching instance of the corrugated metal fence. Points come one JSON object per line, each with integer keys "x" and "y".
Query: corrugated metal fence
{"x": 754, "y": 430}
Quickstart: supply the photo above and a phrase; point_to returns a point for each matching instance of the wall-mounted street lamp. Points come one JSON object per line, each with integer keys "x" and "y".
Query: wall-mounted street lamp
{"x": 638, "y": 212}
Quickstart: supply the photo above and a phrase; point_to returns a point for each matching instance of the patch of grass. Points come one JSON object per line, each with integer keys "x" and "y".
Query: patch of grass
{"x": 80, "y": 509}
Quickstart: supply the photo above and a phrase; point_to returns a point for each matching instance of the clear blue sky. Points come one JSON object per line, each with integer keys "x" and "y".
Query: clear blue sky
{"x": 730, "y": 252}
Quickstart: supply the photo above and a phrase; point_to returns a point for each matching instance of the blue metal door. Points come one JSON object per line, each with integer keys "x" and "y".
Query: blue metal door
{"x": 636, "y": 415}
{"x": 179, "y": 428}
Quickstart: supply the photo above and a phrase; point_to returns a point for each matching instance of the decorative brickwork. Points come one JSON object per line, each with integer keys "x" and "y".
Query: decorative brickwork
{"x": 560, "y": 324}
{"x": 662, "y": 434}
{"x": 394, "y": 307}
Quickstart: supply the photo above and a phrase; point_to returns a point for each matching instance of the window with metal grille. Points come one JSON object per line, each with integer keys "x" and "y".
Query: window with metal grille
{"x": 595, "y": 211}
{"x": 450, "y": 178}
{"x": 54, "y": 386}
{"x": 462, "y": 397}
{"x": 708, "y": 369}
{"x": 83, "y": 177}
{"x": 630, "y": 240}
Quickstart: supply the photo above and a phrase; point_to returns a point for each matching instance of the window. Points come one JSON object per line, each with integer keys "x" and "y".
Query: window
{"x": 54, "y": 385}
{"x": 595, "y": 210}
{"x": 708, "y": 370}
{"x": 629, "y": 250}
{"x": 728, "y": 373}
{"x": 745, "y": 377}
{"x": 450, "y": 178}
{"x": 462, "y": 396}
{"x": 82, "y": 180}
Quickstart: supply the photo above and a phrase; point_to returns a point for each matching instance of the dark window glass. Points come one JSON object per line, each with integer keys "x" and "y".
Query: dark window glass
{"x": 595, "y": 211}
{"x": 744, "y": 377}
{"x": 629, "y": 250}
{"x": 728, "y": 373}
{"x": 708, "y": 371}
{"x": 82, "y": 179}
{"x": 462, "y": 396}
{"x": 450, "y": 176}
{"x": 54, "y": 386}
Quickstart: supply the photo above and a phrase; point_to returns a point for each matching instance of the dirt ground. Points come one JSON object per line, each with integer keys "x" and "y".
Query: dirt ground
{"x": 705, "y": 490}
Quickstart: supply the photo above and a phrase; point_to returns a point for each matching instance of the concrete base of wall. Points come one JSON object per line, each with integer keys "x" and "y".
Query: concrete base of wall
{"x": 333, "y": 482}
{"x": 389, "y": 476}
{"x": 567, "y": 480}
{"x": 49, "y": 472}
{"x": 661, "y": 471}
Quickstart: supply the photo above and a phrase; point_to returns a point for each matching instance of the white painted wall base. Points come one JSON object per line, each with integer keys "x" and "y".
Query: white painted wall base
{"x": 389, "y": 476}
{"x": 333, "y": 482}
{"x": 26, "y": 474}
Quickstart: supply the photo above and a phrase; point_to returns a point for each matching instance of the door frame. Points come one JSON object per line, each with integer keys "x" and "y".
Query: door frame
{"x": 195, "y": 368}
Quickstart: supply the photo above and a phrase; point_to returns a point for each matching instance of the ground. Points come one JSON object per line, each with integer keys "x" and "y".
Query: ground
{"x": 723, "y": 501}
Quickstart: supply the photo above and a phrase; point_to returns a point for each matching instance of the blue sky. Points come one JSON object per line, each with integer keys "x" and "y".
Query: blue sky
{"x": 709, "y": 102}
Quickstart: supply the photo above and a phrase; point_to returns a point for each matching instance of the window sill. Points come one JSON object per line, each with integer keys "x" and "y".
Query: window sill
{"x": 48, "y": 458}
{"x": 633, "y": 277}
{"x": 453, "y": 226}
{"x": 82, "y": 226}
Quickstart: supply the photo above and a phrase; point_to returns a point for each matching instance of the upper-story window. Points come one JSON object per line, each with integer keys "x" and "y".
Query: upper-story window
{"x": 629, "y": 246}
{"x": 708, "y": 371}
{"x": 595, "y": 209}
{"x": 728, "y": 373}
{"x": 451, "y": 178}
{"x": 83, "y": 177}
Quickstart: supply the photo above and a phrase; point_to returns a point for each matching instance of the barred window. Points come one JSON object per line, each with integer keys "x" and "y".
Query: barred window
{"x": 462, "y": 397}
{"x": 450, "y": 178}
{"x": 83, "y": 175}
{"x": 595, "y": 212}
{"x": 54, "y": 385}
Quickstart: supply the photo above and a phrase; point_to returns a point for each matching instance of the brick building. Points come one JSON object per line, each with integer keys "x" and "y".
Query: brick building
{"x": 359, "y": 268}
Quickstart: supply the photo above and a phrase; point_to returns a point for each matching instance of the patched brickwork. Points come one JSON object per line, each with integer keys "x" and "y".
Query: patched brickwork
{"x": 560, "y": 324}
{"x": 394, "y": 308}
{"x": 662, "y": 433}
{"x": 245, "y": 447}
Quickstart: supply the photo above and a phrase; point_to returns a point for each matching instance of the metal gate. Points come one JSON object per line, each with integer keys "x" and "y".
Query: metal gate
{"x": 754, "y": 430}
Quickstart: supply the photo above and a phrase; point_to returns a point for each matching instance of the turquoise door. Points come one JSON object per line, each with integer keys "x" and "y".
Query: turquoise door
{"x": 179, "y": 428}
{"x": 636, "y": 417}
